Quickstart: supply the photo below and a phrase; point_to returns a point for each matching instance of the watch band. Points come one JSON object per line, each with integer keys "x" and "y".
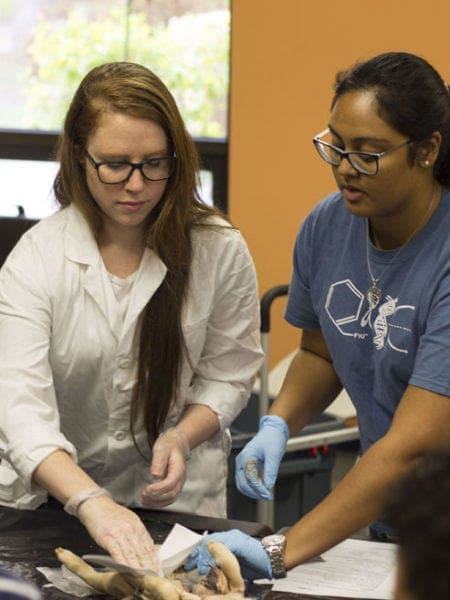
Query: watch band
{"x": 274, "y": 546}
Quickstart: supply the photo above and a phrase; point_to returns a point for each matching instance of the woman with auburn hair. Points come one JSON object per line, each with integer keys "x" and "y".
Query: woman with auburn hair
{"x": 137, "y": 311}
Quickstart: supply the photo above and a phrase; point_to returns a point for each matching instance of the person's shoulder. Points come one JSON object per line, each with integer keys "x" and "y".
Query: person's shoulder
{"x": 43, "y": 240}
{"x": 212, "y": 221}
{"x": 217, "y": 240}
{"x": 51, "y": 224}
{"x": 445, "y": 200}
{"x": 214, "y": 229}
{"x": 330, "y": 206}
{"x": 330, "y": 211}
{"x": 437, "y": 229}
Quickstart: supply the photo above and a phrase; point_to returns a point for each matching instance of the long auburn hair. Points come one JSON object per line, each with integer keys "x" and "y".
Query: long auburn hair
{"x": 134, "y": 90}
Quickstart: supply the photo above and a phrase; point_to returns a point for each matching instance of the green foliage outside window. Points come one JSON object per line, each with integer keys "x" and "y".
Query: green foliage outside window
{"x": 190, "y": 53}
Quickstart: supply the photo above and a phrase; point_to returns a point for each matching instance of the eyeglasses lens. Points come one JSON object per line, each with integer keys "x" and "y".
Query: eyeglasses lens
{"x": 363, "y": 163}
{"x": 153, "y": 170}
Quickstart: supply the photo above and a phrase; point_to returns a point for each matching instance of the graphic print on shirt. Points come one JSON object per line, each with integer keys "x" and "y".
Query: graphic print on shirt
{"x": 345, "y": 305}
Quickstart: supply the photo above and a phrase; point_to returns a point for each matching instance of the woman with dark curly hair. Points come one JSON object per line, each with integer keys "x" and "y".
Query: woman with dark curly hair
{"x": 370, "y": 290}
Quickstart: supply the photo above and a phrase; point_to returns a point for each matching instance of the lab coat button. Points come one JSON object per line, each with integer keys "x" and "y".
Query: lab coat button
{"x": 120, "y": 435}
{"x": 125, "y": 363}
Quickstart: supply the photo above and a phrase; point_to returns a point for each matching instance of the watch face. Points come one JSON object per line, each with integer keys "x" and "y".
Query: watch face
{"x": 274, "y": 545}
{"x": 274, "y": 539}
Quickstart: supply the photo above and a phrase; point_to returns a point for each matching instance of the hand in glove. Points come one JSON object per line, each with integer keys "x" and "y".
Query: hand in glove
{"x": 258, "y": 463}
{"x": 253, "y": 559}
{"x": 119, "y": 531}
{"x": 168, "y": 469}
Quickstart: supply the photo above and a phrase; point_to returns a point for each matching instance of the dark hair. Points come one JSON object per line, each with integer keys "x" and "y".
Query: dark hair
{"x": 418, "y": 508}
{"x": 134, "y": 90}
{"x": 411, "y": 95}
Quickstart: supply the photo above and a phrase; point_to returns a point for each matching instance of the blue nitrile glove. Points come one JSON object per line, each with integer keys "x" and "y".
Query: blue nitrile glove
{"x": 258, "y": 463}
{"x": 253, "y": 559}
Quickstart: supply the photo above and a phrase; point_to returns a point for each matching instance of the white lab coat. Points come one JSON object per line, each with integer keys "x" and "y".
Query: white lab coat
{"x": 68, "y": 361}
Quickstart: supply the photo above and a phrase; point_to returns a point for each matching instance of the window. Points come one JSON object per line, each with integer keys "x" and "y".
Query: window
{"x": 46, "y": 47}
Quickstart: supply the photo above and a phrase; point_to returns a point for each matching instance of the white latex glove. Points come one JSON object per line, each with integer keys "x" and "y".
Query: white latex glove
{"x": 167, "y": 470}
{"x": 120, "y": 532}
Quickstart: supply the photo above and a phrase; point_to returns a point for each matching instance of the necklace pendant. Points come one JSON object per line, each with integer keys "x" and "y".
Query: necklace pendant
{"x": 373, "y": 295}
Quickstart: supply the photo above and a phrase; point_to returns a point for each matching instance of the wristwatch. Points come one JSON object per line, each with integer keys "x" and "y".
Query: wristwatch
{"x": 274, "y": 546}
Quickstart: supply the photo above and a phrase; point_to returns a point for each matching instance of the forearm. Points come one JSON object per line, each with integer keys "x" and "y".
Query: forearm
{"x": 198, "y": 424}
{"x": 171, "y": 451}
{"x": 113, "y": 527}
{"x": 309, "y": 387}
{"x": 421, "y": 423}
{"x": 62, "y": 477}
{"x": 355, "y": 502}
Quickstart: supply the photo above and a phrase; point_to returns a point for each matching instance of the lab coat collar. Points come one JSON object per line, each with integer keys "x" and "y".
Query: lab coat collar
{"x": 81, "y": 247}
{"x": 150, "y": 275}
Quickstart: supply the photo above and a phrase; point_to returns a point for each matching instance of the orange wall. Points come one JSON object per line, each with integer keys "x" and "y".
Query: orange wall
{"x": 284, "y": 56}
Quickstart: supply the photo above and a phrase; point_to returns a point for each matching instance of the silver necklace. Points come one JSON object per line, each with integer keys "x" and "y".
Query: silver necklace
{"x": 374, "y": 293}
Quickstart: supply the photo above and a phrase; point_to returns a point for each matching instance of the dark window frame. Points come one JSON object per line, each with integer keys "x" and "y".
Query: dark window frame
{"x": 24, "y": 144}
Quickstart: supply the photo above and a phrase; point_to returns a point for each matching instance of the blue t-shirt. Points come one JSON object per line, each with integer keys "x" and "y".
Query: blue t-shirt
{"x": 405, "y": 339}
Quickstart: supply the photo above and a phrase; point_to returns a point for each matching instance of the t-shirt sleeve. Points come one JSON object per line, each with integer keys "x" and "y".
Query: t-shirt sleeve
{"x": 432, "y": 364}
{"x": 300, "y": 310}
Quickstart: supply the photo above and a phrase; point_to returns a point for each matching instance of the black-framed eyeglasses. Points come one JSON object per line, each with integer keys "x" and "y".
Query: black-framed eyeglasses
{"x": 366, "y": 163}
{"x": 156, "y": 168}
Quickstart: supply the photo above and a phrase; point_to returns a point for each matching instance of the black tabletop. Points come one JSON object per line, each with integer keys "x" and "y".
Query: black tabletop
{"x": 28, "y": 539}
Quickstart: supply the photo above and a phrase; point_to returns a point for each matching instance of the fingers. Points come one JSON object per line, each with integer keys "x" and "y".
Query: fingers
{"x": 160, "y": 459}
{"x": 164, "y": 492}
{"x": 166, "y": 455}
{"x": 271, "y": 466}
{"x": 200, "y": 559}
{"x": 152, "y": 498}
{"x": 251, "y": 470}
{"x": 133, "y": 548}
{"x": 249, "y": 482}
{"x": 129, "y": 545}
{"x": 158, "y": 502}
{"x": 253, "y": 559}
{"x": 121, "y": 533}
{"x": 133, "y": 552}
{"x": 191, "y": 561}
